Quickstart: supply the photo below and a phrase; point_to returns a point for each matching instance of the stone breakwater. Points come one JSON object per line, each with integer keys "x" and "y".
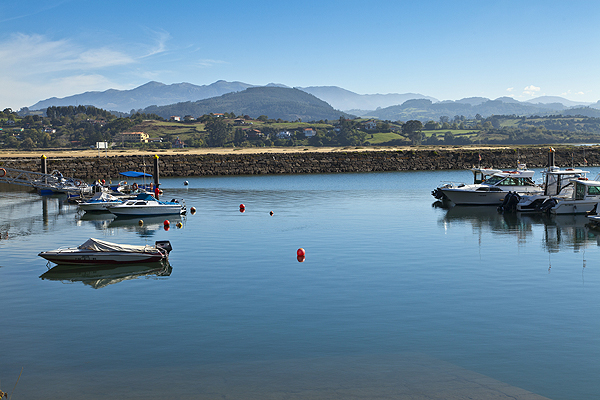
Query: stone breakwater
{"x": 93, "y": 168}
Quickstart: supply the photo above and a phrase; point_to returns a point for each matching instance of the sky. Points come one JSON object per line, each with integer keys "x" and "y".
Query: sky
{"x": 445, "y": 49}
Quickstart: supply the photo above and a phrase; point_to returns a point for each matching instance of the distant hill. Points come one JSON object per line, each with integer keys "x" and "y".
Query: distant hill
{"x": 274, "y": 102}
{"x": 557, "y": 99}
{"x": 343, "y": 99}
{"x": 152, "y": 93}
{"x": 425, "y": 110}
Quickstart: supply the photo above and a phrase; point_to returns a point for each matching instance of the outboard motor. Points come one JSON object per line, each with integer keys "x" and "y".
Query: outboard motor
{"x": 510, "y": 202}
{"x": 164, "y": 245}
{"x": 548, "y": 204}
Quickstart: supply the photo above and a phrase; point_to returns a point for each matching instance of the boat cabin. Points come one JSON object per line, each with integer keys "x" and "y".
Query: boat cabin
{"x": 586, "y": 189}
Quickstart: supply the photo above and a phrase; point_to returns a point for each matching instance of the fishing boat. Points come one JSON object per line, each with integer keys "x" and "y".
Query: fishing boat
{"x": 492, "y": 190}
{"x": 95, "y": 251}
{"x": 584, "y": 198}
{"x": 147, "y": 205}
{"x": 558, "y": 185}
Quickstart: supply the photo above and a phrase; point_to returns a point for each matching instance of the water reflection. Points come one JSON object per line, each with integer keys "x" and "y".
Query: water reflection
{"x": 100, "y": 276}
{"x": 143, "y": 226}
{"x": 559, "y": 232}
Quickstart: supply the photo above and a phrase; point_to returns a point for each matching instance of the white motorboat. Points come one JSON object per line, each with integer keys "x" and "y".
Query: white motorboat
{"x": 100, "y": 201}
{"x": 94, "y": 251}
{"x": 479, "y": 175}
{"x": 147, "y": 205}
{"x": 493, "y": 190}
{"x": 584, "y": 198}
{"x": 558, "y": 184}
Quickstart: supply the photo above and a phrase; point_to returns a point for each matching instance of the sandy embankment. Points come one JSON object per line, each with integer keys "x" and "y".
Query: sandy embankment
{"x": 62, "y": 153}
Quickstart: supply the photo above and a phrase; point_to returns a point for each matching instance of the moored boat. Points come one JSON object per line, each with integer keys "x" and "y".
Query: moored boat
{"x": 493, "y": 189}
{"x": 147, "y": 205}
{"x": 99, "y": 202}
{"x": 95, "y": 251}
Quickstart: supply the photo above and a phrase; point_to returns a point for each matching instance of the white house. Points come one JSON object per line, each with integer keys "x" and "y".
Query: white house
{"x": 284, "y": 135}
{"x": 309, "y": 132}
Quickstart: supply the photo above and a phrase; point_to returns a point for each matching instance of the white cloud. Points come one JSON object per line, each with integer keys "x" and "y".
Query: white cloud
{"x": 209, "y": 63}
{"x": 27, "y": 56}
{"x": 531, "y": 90}
{"x": 510, "y": 89}
{"x": 35, "y": 67}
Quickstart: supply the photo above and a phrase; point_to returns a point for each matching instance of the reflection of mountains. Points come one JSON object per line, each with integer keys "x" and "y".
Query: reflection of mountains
{"x": 570, "y": 231}
{"x": 99, "y": 276}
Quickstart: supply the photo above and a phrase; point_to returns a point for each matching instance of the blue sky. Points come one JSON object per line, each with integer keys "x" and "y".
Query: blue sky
{"x": 445, "y": 49}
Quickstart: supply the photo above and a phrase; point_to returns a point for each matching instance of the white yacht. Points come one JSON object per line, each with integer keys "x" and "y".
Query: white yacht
{"x": 493, "y": 189}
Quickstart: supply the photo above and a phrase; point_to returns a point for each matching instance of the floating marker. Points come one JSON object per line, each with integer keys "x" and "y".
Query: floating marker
{"x": 179, "y": 225}
{"x": 193, "y": 210}
{"x": 301, "y": 252}
{"x": 186, "y": 183}
{"x": 270, "y": 212}
{"x": 141, "y": 222}
{"x": 167, "y": 222}
{"x": 242, "y": 206}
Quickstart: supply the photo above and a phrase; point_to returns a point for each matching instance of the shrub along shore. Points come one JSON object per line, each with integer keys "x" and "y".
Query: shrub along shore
{"x": 90, "y": 167}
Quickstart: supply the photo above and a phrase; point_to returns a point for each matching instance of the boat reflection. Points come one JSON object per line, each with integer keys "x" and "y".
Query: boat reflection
{"x": 146, "y": 226}
{"x": 100, "y": 276}
{"x": 559, "y": 232}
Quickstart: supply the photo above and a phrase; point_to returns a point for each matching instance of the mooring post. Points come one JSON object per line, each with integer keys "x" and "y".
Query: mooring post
{"x": 156, "y": 173}
{"x": 44, "y": 169}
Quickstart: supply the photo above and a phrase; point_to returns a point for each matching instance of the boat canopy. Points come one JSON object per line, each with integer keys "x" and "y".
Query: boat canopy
{"x": 101, "y": 245}
{"x": 134, "y": 174}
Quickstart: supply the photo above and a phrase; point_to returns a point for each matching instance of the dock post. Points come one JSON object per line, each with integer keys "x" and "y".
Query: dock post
{"x": 156, "y": 172}
{"x": 44, "y": 169}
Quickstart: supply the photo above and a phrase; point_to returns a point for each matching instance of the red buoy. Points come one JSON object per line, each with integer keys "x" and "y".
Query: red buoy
{"x": 242, "y": 206}
{"x": 167, "y": 223}
{"x": 301, "y": 252}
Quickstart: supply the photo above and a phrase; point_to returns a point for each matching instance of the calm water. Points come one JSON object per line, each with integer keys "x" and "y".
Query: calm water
{"x": 514, "y": 298}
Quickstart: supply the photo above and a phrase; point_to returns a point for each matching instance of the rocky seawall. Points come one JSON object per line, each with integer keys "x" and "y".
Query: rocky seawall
{"x": 93, "y": 168}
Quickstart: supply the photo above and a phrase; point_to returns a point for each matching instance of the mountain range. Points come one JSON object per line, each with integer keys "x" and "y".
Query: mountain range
{"x": 222, "y": 96}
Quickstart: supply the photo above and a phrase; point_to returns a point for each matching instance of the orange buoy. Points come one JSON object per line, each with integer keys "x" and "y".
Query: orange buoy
{"x": 242, "y": 206}
{"x": 167, "y": 222}
{"x": 301, "y": 252}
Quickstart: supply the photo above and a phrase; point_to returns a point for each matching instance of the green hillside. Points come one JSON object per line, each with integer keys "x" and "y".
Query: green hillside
{"x": 275, "y": 102}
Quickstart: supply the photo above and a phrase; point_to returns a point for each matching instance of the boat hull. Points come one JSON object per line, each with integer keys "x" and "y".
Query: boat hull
{"x": 95, "y": 257}
{"x": 474, "y": 198}
{"x": 133, "y": 211}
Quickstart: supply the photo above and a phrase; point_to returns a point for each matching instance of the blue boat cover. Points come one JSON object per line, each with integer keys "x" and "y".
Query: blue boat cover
{"x": 134, "y": 174}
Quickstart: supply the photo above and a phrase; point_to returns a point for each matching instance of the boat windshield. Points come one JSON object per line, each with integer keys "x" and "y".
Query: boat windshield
{"x": 509, "y": 181}
{"x": 492, "y": 180}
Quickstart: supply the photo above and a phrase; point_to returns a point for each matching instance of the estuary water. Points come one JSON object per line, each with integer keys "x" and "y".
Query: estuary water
{"x": 396, "y": 298}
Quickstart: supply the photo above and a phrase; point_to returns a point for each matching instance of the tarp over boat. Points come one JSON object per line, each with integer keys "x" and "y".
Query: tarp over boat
{"x": 135, "y": 174}
{"x": 101, "y": 245}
